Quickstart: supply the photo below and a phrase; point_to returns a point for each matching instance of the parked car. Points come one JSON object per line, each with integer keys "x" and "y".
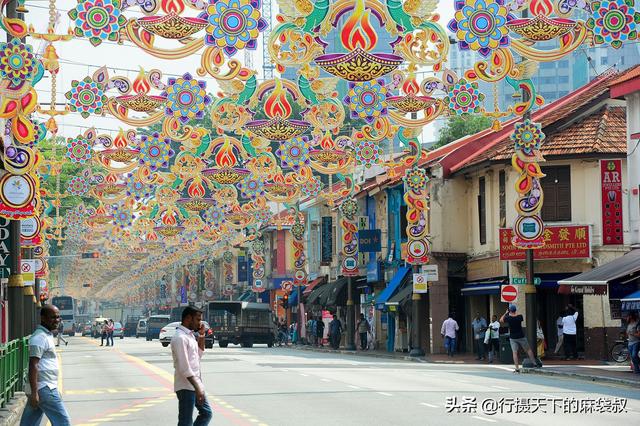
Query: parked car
{"x": 154, "y": 324}
{"x": 118, "y": 330}
{"x": 169, "y": 330}
{"x": 141, "y": 327}
{"x": 130, "y": 325}
{"x": 86, "y": 329}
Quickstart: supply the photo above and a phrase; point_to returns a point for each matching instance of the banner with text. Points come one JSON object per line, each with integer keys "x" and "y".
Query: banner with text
{"x": 561, "y": 242}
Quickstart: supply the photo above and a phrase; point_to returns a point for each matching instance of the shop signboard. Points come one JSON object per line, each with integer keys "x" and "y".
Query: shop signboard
{"x": 561, "y": 242}
{"x": 370, "y": 241}
{"x": 420, "y": 283}
{"x": 327, "y": 240}
{"x": 611, "y": 184}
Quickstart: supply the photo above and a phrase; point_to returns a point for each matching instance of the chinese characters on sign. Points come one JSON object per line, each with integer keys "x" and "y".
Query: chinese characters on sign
{"x": 611, "y": 179}
{"x": 561, "y": 242}
{"x": 542, "y": 405}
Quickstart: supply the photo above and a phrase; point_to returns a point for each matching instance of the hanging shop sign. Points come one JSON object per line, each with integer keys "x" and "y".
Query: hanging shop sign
{"x": 431, "y": 271}
{"x": 28, "y": 271}
{"x": 17, "y": 194}
{"x": 611, "y": 184}
{"x": 30, "y": 232}
{"x": 370, "y": 240}
{"x": 5, "y": 244}
{"x": 327, "y": 240}
{"x": 561, "y": 242}
{"x": 420, "y": 283}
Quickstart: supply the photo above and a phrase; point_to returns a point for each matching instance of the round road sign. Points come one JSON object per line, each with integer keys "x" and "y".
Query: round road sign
{"x": 509, "y": 293}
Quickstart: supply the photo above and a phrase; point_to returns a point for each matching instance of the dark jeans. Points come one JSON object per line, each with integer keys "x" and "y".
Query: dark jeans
{"x": 363, "y": 340}
{"x": 102, "y": 337}
{"x": 110, "y": 338}
{"x": 570, "y": 346}
{"x": 634, "y": 348}
{"x": 335, "y": 340}
{"x": 479, "y": 348}
{"x": 186, "y": 402}
{"x": 450, "y": 345}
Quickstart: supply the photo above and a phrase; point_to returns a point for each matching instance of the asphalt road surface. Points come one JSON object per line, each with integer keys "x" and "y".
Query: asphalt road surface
{"x": 131, "y": 384}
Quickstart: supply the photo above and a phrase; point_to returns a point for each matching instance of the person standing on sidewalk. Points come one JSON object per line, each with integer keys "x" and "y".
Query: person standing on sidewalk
{"x": 60, "y": 334}
{"x": 335, "y": 332}
{"x": 42, "y": 390}
{"x": 559, "y": 327}
{"x": 633, "y": 334}
{"x": 494, "y": 338}
{"x": 448, "y": 331}
{"x": 187, "y": 351}
{"x": 517, "y": 338}
{"x": 479, "y": 326}
{"x": 320, "y": 331}
{"x": 363, "y": 330}
{"x": 569, "y": 331}
{"x": 104, "y": 335}
{"x": 110, "y": 328}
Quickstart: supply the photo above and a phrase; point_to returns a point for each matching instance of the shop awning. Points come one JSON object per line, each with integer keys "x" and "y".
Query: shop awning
{"x": 333, "y": 294}
{"x": 395, "y": 283}
{"x": 313, "y": 284}
{"x": 631, "y": 302}
{"x": 317, "y": 294}
{"x": 481, "y": 288}
{"x": 245, "y": 296}
{"x": 402, "y": 294}
{"x": 596, "y": 280}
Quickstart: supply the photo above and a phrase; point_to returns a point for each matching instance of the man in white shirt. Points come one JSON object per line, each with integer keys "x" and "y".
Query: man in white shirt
{"x": 569, "y": 331}
{"x": 448, "y": 331}
{"x": 42, "y": 390}
{"x": 187, "y": 349}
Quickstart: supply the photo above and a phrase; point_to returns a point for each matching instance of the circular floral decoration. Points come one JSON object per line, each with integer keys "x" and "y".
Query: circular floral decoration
{"x": 465, "y": 98}
{"x": 311, "y": 187}
{"x": 233, "y": 24}
{"x": 527, "y": 136}
{"x": 86, "y": 97}
{"x": 121, "y": 217}
{"x": 213, "y": 216}
{"x": 78, "y": 150}
{"x": 480, "y": 25}
{"x": 613, "y": 22}
{"x": 155, "y": 152}
{"x": 137, "y": 189}
{"x": 367, "y": 153}
{"x": 227, "y": 256}
{"x": 251, "y": 186}
{"x": 186, "y": 98}
{"x": 416, "y": 179}
{"x": 98, "y": 20}
{"x": 73, "y": 233}
{"x": 349, "y": 208}
{"x": 74, "y": 217}
{"x": 367, "y": 100}
{"x": 258, "y": 246}
{"x": 78, "y": 185}
{"x": 17, "y": 62}
{"x": 262, "y": 215}
{"x": 294, "y": 153}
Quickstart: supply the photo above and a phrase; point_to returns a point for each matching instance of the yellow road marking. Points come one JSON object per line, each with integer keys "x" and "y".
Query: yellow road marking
{"x": 113, "y": 390}
{"x": 102, "y": 419}
{"x": 118, "y": 415}
{"x": 131, "y": 410}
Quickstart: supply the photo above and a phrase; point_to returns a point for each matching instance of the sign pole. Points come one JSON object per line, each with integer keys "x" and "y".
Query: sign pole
{"x": 29, "y": 299}
{"x": 416, "y": 349}
{"x": 351, "y": 345}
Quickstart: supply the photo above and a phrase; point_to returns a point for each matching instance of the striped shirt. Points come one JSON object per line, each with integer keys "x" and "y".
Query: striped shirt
{"x": 42, "y": 346}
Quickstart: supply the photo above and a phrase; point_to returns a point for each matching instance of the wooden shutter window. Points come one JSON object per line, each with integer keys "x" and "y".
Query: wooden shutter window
{"x": 556, "y": 186}
{"x": 482, "y": 210}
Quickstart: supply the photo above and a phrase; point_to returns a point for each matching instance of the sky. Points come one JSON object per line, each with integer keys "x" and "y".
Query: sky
{"x": 78, "y": 58}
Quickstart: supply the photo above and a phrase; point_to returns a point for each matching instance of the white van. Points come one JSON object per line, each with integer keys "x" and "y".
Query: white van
{"x": 141, "y": 328}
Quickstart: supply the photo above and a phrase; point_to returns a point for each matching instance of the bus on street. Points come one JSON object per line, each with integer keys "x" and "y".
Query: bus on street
{"x": 67, "y": 307}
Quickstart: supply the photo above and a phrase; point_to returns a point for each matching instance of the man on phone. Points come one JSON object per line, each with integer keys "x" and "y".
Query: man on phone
{"x": 517, "y": 338}
{"x": 187, "y": 349}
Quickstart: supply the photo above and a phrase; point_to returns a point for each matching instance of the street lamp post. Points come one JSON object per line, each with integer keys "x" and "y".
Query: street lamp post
{"x": 351, "y": 345}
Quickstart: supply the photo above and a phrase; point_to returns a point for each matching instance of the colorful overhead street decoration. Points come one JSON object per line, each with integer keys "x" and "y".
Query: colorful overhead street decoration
{"x": 356, "y": 83}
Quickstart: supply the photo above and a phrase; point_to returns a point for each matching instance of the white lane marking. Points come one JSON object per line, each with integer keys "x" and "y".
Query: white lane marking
{"x": 385, "y": 394}
{"x": 428, "y": 405}
{"x": 499, "y": 387}
{"x": 304, "y": 375}
{"x": 353, "y": 387}
{"x": 325, "y": 380}
{"x": 484, "y": 419}
{"x": 548, "y": 395}
{"x": 284, "y": 369}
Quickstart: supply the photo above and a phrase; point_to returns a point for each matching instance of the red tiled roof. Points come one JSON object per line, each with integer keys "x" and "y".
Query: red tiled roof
{"x": 627, "y": 83}
{"x": 485, "y": 146}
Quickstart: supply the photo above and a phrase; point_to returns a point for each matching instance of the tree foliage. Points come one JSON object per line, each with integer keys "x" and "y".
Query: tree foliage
{"x": 459, "y": 127}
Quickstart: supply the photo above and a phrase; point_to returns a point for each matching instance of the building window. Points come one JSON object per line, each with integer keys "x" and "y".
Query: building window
{"x": 563, "y": 64}
{"x": 502, "y": 188}
{"x": 482, "y": 210}
{"x": 563, "y": 79}
{"x": 556, "y": 186}
{"x": 604, "y": 60}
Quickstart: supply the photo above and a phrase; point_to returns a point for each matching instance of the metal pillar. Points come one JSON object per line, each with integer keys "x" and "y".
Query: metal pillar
{"x": 351, "y": 324}
{"x": 530, "y": 301}
{"x": 300, "y": 319}
{"x": 416, "y": 298}
{"x": 29, "y": 300}
{"x": 15, "y": 288}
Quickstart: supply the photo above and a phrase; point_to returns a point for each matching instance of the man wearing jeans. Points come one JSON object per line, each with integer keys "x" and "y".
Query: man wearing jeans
{"x": 44, "y": 398}
{"x": 187, "y": 380}
{"x": 448, "y": 331}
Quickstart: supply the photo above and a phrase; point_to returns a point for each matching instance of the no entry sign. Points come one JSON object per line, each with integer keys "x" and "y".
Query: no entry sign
{"x": 508, "y": 293}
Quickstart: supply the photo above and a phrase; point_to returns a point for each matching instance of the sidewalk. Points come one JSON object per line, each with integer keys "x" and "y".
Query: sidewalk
{"x": 10, "y": 415}
{"x": 584, "y": 369}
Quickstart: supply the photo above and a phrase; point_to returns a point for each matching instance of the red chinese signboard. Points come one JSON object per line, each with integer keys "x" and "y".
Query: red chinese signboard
{"x": 561, "y": 242}
{"x": 611, "y": 180}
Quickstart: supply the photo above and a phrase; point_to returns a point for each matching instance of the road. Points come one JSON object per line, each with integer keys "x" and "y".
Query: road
{"x": 131, "y": 384}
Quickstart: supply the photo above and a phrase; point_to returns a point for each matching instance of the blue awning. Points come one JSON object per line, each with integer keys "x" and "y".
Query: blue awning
{"x": 245, "y": 296}
{"x": 392, "y": 287}
{"x": 481, "y": 288}
{"x": 631, "y": 302}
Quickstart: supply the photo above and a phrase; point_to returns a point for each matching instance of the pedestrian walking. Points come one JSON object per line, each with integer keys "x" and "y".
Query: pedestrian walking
{"x": 559, "y": 327}
{"x": 493, "y": 334}
{"x": 103, "y": 333}
{"x": 110, "y": 333}
{"x": 449, "y": 329}
{"x": 42, "y": 389}
{"x": 363, "y": 330}
{"x": 633, "y": 334}
{"x": 569, "y": 332}
{"x": 320, "y": 331}
{"x": 187, "y": 350}
{"x": 516, "y": 336}
{"x": 61, "y": 334}
{"x": 335, "y": 332}
{"x": 314, "y": 331}
{"x": 479, "y": 326}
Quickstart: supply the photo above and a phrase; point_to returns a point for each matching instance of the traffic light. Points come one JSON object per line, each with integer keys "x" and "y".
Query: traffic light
{"x": 285, "y": 301}
{"x": 87, "y": 285}
{"x": 43, "y": 297}
{"x": 90, "y": 255}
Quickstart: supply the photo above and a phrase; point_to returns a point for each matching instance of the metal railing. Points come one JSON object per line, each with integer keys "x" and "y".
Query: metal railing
{"x": 14, "y": 362}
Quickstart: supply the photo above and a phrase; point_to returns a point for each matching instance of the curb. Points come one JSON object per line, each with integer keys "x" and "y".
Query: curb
{"x": 585, "y": 377}
{"x": 10, "y": 415}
